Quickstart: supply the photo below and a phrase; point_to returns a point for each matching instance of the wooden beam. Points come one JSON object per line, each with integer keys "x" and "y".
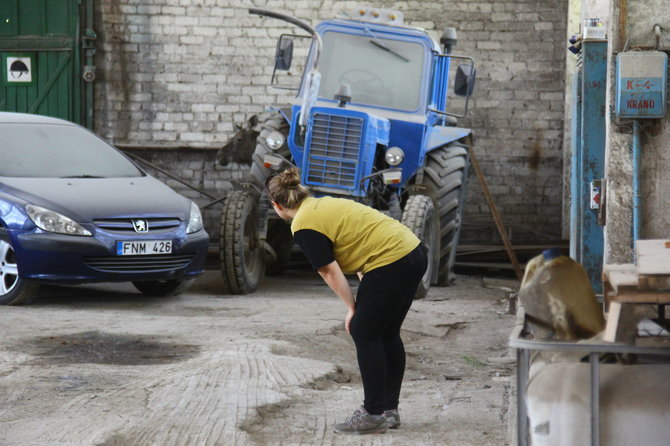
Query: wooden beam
{"x": 494, "y": 211}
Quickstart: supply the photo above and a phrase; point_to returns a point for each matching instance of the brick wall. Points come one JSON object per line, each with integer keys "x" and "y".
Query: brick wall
{"x": 177, "y": 74}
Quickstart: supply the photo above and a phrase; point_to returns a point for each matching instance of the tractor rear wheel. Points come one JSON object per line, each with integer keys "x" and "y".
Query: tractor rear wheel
{"x": 445, "y": 176}
{"x": 240, "y": 249}
{"x": 419, "y": 216}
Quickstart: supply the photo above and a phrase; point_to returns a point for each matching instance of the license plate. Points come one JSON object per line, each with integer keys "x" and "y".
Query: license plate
{"x": 143, "y": 248}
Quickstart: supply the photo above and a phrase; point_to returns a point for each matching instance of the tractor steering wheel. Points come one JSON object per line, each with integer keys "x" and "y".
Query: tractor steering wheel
{"x": 362, "y": 80}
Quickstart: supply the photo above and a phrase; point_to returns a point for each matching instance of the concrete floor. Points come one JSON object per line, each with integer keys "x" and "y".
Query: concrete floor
{"x": 104, "y": 365}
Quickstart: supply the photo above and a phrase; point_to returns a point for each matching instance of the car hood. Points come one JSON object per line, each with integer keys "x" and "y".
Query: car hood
{"x": 85, "y": 199}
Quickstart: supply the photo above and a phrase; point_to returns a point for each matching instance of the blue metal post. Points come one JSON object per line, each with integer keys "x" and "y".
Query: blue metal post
{"x": 591, "y": 165}
{"x": 576, "y": 167}
{"x": 636, "y": 185}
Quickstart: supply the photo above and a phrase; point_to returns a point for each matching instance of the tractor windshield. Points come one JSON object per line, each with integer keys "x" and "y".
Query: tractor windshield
{"x": 380, "y": 72}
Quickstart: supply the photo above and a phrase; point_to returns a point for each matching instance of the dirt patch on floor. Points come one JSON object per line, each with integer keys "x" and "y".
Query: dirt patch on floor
{"x": 94, "y": 347}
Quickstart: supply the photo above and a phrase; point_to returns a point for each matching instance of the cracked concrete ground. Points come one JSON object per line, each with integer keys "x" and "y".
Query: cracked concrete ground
{"x": 103, "y": 365}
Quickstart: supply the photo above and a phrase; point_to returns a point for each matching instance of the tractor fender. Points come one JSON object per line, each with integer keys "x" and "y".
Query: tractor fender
{"x": 438, "y": 136}
{"x": 286, "y": 112}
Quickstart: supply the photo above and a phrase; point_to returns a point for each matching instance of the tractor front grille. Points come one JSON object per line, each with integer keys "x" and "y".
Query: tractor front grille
{"x": 334, "y": 149}
{"x": 135, "y": 264}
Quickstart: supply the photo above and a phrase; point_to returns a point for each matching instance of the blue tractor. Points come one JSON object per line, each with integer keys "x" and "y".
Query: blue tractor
{"x": 370, "y": 123}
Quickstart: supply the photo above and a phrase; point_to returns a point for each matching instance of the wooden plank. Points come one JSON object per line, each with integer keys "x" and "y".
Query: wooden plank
{"x": 486, "y": 265}
{"x": 620, "y": 277}
{"x": 640, "y": 297}
{"x": 624, "y": 284}
{"x": 621, "y": 324}
{"x": 656, "y": 283}
{"x": 613, "y": 318}
{"x": 494, "y": 211}
{"x": 653, "y": 257}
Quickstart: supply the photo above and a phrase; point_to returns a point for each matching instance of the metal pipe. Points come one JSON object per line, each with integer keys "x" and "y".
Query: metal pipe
{"x": 295, "y": 21}
{"x": 523, "y": 366}
{"x": 594, "y": 360}
{"x": 89, "y": 60}
{"x": 312, "y": 79}
{"x": 169, "y": 175}
{"x": 623, "y": 23}
{"x": 636, "y": 184}
{"x": 576, "y": 173}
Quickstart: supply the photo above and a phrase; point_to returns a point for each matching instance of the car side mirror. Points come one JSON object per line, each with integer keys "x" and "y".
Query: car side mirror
{"x": 464, "y": 83}
{"x": 284, "y": 54}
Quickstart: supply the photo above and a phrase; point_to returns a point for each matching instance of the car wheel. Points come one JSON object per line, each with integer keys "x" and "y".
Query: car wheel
{"x": 419, "y": 216}
{"x": 13, "y": 289}
{"x": 163, "y": 288}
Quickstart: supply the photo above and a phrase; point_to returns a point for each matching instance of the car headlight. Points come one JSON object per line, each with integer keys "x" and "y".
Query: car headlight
{"x": 51, "y": 221}
{"x": 275, "y": 140}
{"x": 394, "y": 156}
{"x": 195, "y": 220}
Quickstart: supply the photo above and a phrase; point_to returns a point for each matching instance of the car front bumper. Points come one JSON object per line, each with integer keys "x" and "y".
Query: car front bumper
{"x": 71, "y": 259}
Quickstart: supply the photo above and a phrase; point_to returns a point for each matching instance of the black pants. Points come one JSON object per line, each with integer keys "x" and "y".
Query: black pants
{"x": 383, "y": 300}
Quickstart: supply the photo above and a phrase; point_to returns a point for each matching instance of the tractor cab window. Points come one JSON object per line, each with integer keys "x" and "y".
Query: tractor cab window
{"x": 380, "y": 72}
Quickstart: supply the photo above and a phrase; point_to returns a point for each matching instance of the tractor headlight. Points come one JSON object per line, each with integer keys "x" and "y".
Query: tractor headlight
{"x": 394, "y": 156}
{"x": 275, "y": 140}
{"x": 195, "y": 219}
{"x": 51, "y": 221}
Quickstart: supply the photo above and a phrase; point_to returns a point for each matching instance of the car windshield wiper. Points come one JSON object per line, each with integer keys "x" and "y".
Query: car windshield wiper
{"x": 379, "y": 44}
{"x": 82, "y": 176}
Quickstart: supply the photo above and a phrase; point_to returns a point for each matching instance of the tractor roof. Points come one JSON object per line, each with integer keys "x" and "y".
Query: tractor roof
{"x": 375, "y": 15}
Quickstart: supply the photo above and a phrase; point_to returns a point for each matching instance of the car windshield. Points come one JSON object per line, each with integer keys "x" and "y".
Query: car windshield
{"x": 54, "y": 150}
{"x": 381, "y": 72}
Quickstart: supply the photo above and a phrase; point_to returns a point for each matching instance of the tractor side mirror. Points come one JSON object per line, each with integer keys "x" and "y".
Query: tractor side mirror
{"x": 464, "y": 83}
{"x": 284, "y": 53}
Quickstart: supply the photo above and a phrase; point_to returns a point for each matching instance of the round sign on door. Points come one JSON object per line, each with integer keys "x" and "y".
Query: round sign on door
{"x": 19, "y": 69}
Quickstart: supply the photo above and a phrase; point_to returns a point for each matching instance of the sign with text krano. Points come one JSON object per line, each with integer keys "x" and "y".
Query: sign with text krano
{"x": 641, "y": 78}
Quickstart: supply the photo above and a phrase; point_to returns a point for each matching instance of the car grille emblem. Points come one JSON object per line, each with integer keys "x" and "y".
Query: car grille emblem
{"x": 140, "y": 225}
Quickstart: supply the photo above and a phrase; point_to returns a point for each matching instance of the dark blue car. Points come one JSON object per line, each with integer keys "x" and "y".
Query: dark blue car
{"x": 74, "y": 209}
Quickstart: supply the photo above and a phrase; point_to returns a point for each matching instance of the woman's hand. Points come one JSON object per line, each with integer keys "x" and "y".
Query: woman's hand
{"x": 333, "y": 276}
{"x": 347, "y": 320}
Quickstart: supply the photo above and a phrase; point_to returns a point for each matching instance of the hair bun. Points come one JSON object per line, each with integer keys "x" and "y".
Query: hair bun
{"x": 291, "y": 178}
{"x": 285, "y": 189}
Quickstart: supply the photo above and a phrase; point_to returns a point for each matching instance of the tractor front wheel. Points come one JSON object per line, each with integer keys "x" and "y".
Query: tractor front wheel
{"x": 419, "y": 216}
{"x": 240, "y": 250}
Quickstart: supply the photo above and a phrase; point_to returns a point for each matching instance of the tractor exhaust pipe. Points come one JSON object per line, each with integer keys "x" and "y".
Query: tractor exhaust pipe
{"x": 312, "y": 80}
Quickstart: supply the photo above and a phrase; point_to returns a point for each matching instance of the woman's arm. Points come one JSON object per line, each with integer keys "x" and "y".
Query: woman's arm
{"x": 334, "y": 277}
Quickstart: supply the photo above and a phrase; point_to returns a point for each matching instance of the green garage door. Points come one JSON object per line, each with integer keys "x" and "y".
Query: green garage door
{"x": 41, "y": 70}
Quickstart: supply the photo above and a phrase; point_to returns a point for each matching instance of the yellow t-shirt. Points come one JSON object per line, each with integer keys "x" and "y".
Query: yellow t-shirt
{"x": 363, "y": 238}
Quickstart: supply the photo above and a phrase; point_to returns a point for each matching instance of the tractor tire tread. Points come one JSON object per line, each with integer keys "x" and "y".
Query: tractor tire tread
{"x": 445, "y": 176}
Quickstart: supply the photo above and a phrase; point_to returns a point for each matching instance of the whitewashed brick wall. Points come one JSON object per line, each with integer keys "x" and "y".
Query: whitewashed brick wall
{"x": 180, "y": 73}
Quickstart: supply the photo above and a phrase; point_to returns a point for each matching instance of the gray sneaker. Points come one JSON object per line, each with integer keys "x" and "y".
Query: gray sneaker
{"x": 361, "y": 422}
{"x": 392, "y": 418}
